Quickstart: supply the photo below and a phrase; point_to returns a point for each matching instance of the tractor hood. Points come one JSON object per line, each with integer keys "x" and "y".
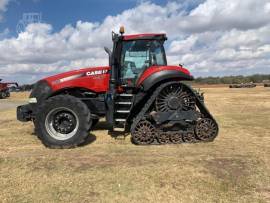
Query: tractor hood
{"x": 92, "y": 78}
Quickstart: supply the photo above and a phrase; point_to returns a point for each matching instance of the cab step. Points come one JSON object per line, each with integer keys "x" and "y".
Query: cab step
{"x": 118, "y": 129}
{"x": 120, "y": 119}
{"x": 125, "y": 95}
{"x": 123, "y": 111}
{"x": 124, "y": 103}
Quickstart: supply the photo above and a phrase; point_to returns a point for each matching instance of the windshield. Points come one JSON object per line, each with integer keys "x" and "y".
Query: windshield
{"x": 139, "y": 55}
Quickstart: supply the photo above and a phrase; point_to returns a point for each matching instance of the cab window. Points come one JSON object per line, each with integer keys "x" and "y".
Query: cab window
{"x": 139, "y": 55}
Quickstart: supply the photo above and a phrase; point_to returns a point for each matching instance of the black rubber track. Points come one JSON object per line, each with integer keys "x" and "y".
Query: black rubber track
{"x": 70, "y": 102}
{"x": 200, "y": 104}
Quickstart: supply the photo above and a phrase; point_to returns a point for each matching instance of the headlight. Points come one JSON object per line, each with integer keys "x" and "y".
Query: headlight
{"x": 32, "y": 100}
{"x": 41, "y": 91}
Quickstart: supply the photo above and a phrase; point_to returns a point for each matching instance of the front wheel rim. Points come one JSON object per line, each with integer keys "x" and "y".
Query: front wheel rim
{"x": 62, "y": 123}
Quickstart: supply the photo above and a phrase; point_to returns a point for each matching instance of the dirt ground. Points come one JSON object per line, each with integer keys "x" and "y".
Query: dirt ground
{"x": 15, "y": 100}
{"x": 233, "y": 168}
{"x": 6, "y": 104}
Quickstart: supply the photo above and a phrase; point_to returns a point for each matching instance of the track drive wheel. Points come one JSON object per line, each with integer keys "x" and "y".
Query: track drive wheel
{"x": 144, "y": 133}
{"x": 174, "y": 97}
{"x": 63, "y": 121}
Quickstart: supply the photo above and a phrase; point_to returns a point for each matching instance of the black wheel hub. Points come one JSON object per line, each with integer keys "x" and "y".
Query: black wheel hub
{"x": 174, "y": 103}
{"x": 64, "y": 122}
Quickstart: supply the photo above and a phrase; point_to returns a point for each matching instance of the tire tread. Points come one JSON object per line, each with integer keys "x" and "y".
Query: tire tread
{"x": 84, "y": 128}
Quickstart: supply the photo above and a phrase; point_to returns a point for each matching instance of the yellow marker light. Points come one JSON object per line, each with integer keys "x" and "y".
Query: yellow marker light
{"x": 122, "y": 30}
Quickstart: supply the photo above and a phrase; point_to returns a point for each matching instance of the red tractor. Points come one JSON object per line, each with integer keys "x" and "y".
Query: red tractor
{"x": 4, "y": 89}
{"x": 138, "y": 93}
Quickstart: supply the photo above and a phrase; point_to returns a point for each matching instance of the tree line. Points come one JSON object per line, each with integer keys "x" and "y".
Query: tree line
{"x": 256, "y": 78}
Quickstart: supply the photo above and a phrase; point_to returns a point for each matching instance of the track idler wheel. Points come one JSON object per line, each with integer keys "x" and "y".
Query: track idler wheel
{"x": 189, "y": 137}
{"x": 206, "y": 129}
{"x": 144, "y": 133}
{"x": 176, "y": 138}
{"x": 163, "y": 138}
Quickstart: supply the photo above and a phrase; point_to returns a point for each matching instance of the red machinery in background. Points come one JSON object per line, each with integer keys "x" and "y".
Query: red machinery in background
{"x": 4, "y": 88}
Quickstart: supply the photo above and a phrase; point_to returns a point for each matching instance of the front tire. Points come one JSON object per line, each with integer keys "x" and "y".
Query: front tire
{"x": 62, "y": 122}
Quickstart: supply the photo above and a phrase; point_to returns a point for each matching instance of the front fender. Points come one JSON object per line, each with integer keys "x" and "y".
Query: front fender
{"x": 164, "y": 75}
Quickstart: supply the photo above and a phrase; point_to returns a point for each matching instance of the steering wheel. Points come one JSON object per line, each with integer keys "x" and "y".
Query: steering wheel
{"x": 132, "y": 66}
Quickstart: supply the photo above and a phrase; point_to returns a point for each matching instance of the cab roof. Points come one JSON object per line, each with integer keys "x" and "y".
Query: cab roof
{"x": 160, "y": 36}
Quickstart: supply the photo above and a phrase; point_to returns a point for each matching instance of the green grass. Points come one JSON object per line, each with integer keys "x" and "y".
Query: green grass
{"x": 234, "y": 168}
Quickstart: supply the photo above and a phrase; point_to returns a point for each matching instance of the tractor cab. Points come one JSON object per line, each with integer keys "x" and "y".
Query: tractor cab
{"x": 133, "y": 54}
{"x": 137, "y": 55}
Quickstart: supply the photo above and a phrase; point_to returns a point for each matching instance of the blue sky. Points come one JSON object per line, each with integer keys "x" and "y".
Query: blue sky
{"x": 210, "y": 37}
{"x": 70, "y": 11}
{"x": 66, "y": 11}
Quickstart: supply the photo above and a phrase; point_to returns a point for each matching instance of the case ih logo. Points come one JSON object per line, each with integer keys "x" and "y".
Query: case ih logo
{"x": 96, "y": 72}
{"x": 72, "y": 77}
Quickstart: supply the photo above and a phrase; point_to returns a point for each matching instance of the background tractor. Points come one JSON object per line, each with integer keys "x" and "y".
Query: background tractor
{"x": 266, "y": 83}
{"x": 138, "y": 93}
{"x": 4, "y": 88}
{"x": 243, "y": 85}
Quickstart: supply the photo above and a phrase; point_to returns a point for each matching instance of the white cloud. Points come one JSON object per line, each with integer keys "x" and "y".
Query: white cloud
{"x": 223, "y": 15}
{"x": 215, "y": 36}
